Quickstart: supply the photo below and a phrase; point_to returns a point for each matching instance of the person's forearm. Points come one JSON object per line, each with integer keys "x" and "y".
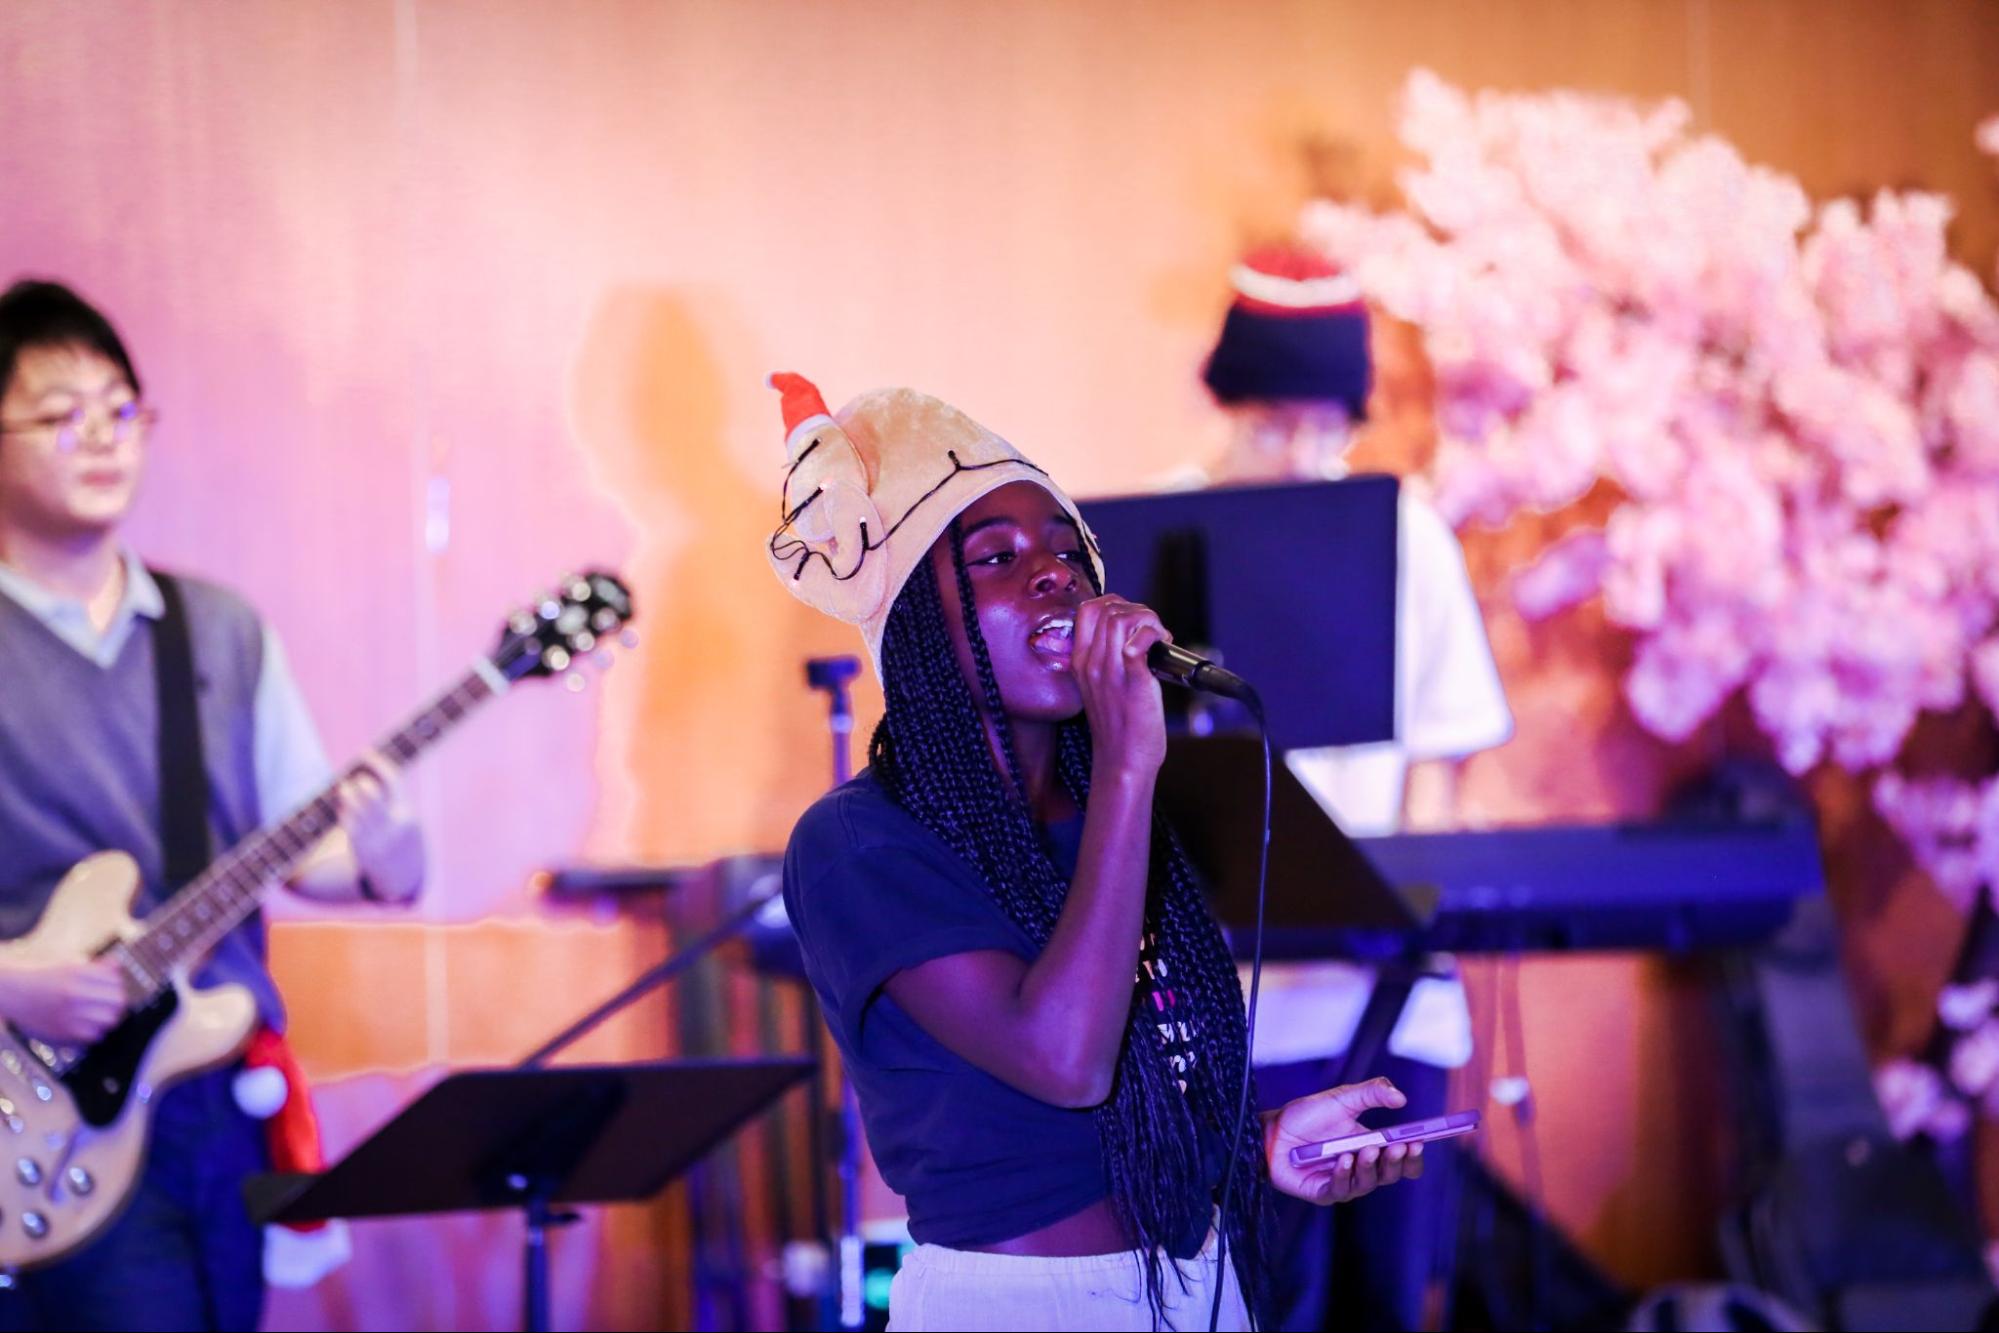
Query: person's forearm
{"x": 1076, "y": 997}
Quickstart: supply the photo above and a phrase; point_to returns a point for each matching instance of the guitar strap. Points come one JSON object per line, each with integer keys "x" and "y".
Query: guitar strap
{"x": 184, "y": 835}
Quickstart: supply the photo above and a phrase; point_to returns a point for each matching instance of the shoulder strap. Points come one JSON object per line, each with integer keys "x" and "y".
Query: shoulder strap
{"x": 184, "y": 836}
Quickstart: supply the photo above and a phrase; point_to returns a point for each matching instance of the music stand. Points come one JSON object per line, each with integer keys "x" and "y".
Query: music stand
{"x": 1325, "y": 897}
{"x": 532, "y": 1139}
{"x": 1293, "y": 584}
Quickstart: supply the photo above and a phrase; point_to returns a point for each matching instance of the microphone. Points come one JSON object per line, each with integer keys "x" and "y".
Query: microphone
{"x": 1175, "y": 665}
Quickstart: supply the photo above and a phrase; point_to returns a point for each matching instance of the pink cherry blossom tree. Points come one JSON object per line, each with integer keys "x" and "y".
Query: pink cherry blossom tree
{"x": 1794, "y": 407}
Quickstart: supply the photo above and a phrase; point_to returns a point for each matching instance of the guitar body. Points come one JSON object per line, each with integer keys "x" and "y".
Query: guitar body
{"x": 73, "y": 1133}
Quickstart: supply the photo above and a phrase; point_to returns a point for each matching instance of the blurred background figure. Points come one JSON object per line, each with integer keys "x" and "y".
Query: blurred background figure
{"x": 1292, "y": 370}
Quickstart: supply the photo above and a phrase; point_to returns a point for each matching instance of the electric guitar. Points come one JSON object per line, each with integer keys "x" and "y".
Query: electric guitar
{"x": 74, "y": 1121}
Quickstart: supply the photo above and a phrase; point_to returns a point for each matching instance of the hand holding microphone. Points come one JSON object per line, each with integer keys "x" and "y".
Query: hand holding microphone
{"x": 1111, "y": 635}
{"x": 1120, "y": 698}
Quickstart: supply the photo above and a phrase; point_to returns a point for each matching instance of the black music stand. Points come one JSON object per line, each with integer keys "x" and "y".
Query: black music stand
{"x": 1325, "y": 897}
{"x": 533, "y": 1139}
{"x": 1293, "y": 586}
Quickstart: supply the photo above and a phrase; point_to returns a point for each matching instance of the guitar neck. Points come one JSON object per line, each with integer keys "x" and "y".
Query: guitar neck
{"x": 183, "y": 929}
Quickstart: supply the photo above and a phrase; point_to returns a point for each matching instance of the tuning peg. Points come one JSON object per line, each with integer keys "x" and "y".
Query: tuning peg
{"x": 575, "y": 682}
{"x": 582, "y": 641}
{"x": 555, "y": 657}
{"x": 603, "y": 659}
{"x": 630, "y": 638}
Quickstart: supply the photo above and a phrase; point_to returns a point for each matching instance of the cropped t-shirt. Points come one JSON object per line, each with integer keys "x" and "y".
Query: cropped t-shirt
{"x": 871, "y": 892}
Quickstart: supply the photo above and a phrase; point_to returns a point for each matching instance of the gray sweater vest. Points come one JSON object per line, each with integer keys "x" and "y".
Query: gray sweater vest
{"x": 79, "y": 763}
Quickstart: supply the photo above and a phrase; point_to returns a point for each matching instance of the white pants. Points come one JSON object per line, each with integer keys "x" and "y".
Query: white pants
{"x": 939, "y": 1288}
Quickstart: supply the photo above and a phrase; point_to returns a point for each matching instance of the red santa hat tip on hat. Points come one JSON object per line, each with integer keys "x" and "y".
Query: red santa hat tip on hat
{"x": 804, "y": 408}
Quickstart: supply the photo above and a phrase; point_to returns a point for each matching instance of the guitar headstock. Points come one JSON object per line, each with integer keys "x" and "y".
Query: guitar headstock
{"x": 583, "y": 612}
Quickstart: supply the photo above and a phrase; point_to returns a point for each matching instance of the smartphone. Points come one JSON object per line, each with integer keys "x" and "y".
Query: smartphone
{"x": 1410, "y": 1131}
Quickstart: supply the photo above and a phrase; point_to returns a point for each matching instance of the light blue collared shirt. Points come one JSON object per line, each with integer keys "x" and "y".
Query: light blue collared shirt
{"x": 291, "y": 763}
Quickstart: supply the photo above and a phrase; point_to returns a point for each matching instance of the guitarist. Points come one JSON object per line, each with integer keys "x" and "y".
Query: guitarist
{"x": 88, "y": 637}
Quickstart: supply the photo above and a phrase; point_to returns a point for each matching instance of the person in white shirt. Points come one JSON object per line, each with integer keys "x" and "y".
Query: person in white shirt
{"x": 1292, "y": 370}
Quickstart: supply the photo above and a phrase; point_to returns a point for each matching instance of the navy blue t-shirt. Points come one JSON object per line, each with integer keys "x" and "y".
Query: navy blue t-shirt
{"x": 871, "y": 892}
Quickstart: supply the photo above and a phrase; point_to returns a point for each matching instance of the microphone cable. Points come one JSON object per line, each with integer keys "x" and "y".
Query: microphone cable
{"x": 1255, "y": 705}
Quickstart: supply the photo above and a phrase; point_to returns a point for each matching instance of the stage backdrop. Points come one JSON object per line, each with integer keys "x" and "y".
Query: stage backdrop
{"x": 439, "y": 300}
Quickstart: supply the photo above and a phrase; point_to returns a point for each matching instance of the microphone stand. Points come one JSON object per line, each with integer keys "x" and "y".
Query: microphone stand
{"x": 657, "y": 975}
{"x": 831, "y": 675}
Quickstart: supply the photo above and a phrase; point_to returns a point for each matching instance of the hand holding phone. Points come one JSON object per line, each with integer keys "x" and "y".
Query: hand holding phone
{"x": 1410, "y": 1131}
{"x": 1330, "y": 1116}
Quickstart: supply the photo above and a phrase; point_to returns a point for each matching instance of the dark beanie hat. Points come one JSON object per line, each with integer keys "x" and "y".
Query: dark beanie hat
{"x": 1297, "y": 332}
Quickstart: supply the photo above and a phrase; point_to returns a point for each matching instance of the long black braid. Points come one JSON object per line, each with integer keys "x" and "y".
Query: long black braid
{"x": 931, "y": 754}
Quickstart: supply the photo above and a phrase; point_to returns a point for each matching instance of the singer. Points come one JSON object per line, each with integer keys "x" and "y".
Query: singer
{"x": 1038, "y": 1014}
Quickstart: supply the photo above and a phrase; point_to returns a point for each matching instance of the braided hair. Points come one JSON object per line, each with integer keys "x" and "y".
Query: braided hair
{"x": 931, "y": 755}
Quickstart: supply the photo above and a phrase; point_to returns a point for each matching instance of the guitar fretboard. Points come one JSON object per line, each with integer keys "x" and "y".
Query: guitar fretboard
{"x": 184, "y": 928}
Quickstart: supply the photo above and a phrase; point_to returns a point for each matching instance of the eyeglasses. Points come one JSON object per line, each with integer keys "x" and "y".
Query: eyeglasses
{"x": 123, "y": 423}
